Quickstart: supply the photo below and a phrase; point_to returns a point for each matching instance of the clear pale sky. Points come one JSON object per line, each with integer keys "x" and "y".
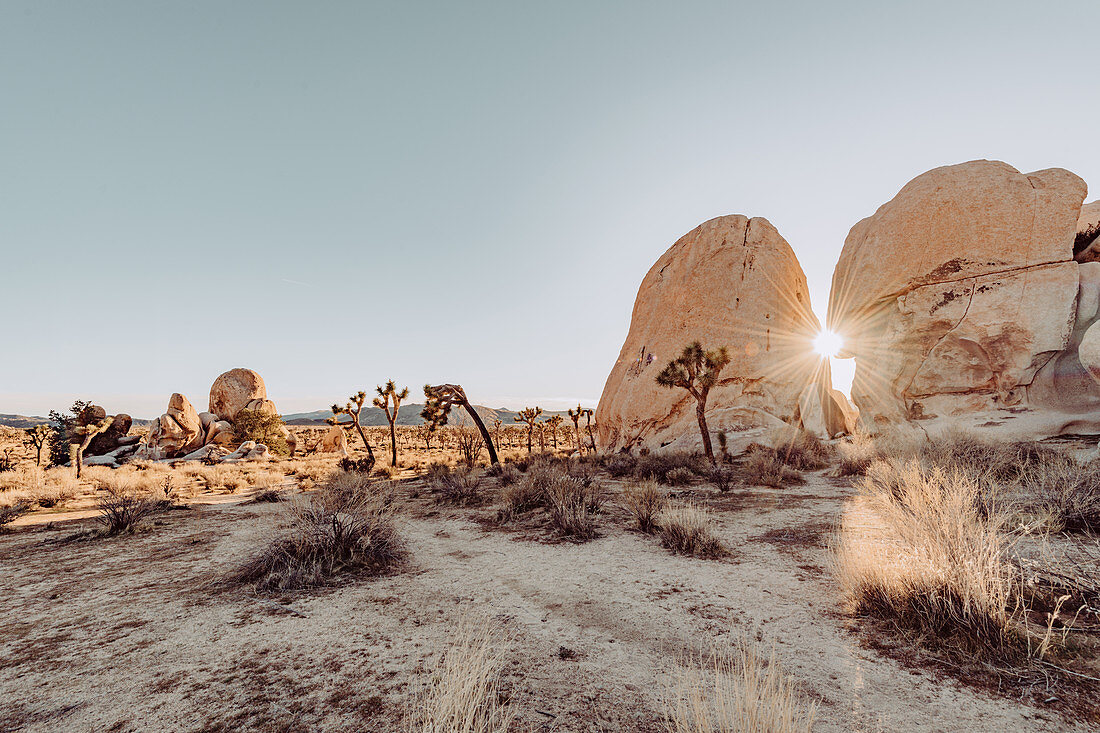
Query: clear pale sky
{"x": 334, "y": 194}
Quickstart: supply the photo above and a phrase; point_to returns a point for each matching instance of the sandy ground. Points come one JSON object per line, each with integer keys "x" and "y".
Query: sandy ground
{"x": 128, "y": 633}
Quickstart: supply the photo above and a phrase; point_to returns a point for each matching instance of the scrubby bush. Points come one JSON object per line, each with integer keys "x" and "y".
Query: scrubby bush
{"x": 680, "y": 476}
{"x": 9, "y": 512}
{"x": 121, "y": 511}
{"x": 262, "y": 427}
{"x": 687, "y": 529}
{"x": 571, "y": 503}
{"x": 454, "y": 487}
{"x": 645, "y": 501}
{"x": 357, "y": 465}
{"x": 658, "y": 466}
{"x": 1063, "y": 494}
{"x": 1084, "y": 238}
{"x": 802, "y": 450}
{"x": 921, "y": 548}
{"x": 347, "y": 525}
{"x": 764, "y": 467}
{"x": 505, "y": 473}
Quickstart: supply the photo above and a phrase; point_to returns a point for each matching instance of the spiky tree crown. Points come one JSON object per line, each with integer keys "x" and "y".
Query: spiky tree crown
{"x": 528, "y": 415}
{"x": 695, "y": 370}
{"x": 353, "y": 407}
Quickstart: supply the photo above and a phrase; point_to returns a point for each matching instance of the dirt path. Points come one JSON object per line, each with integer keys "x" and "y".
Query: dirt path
{"x": 121, "y": 634}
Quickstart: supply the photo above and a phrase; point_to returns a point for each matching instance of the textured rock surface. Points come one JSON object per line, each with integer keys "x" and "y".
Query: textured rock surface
{"x": 733, "y": 282}
{"x": 233, "y": 390}
{"x": 110, "y": 439}
{"x": 1088, "y": 221}
{"x": 334, "y": 440}
{"x": 958, "y": 295}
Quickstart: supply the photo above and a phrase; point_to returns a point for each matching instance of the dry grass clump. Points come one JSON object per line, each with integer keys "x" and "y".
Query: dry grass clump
{"x": 672, "y": 469}
{"x": 464, "y": 693}
{"x": 9, "y": 512}
{"x": 802, "y": 450}
{"x": 764, "y": 467}
{"x": 924, "y": 548}
{"x": 121, "y": 511}
{"x": 687, "y": 529}
{"x": 645, "y": 501}
{"x": 856, "y": 454}
{"x": 347, "y": 525}
{"x": 572, "y": 504}
{"x": 1060, "y": 494}
{"x": 506, "y": 474}
{"x": 459, "y": 486}
{"x": 737, "y": 689}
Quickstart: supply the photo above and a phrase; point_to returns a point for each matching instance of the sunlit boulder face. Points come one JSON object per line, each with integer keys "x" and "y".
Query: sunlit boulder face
{"x": 734, "y": 282}
{"x": 962, "y": 302}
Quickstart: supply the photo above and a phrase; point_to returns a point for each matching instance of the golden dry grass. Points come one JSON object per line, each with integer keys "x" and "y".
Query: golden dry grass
{"x": 687, "y": 529}
{"x": 736, "y": 689}
{"x": 463, "y": 694}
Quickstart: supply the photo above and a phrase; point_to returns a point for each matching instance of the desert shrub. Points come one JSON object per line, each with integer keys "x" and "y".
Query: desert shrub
{"x": 61, "y": 425}
{"x": 9, "y": 512}
{"x": 923, "y": 550}
{"x": 687, "y": 529}
{"x": 621, "y": 465}
{"x": 26, "y": 478}
{"x": 470, "y": 443}
{"x": 122, "y": 512}
{"x": 464, "y": 692}
{"x": 723, "y": 477}
{"x": 802, "y": 450}
{"x": 51, "y": 496}
{"x": 7, "y": 463}
{"x": 680, "y": 476}
{"x": 571, "y": 504}
{"x": 347, "y": 525}
{"x": 357, "y": 465}
{"x": 856, "y": 454}
{"x": 386, "y": 472}
{"x": 528, "y": 493}
{"x": 1064, "y": 494}
{"x": 266, "y": 496}
{"x": 262, "y": 427}
{"x": 659, "y": 466}
{"x": 221, "y": 476}
{"x": 455, "y": 487}
{"x": 505, "y": 473}
{"x": 735, "y": 688}
{"x": 645, "y": 501}
{"x": 763, "y": 466}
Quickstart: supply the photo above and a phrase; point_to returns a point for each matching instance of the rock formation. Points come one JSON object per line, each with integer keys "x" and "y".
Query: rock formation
{"x": 733, "y": 282}
{"x": 182, "y": 433}
{"x": 234, "y": 391}
{"x": 335, "y": 440}
{"x": 962, "y": 302}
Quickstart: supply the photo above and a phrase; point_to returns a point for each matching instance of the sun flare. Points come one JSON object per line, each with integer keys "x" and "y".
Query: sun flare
{"x": 828, "y": 343}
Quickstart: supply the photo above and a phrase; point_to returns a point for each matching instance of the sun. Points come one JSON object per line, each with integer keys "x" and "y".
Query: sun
{"x": 828, "y": 343}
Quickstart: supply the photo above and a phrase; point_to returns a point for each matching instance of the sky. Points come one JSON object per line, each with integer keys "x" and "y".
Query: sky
{"x": 335, "y": 194}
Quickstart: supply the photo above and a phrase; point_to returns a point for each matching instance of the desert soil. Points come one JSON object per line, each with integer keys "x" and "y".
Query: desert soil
{"x": 134, "y": 634}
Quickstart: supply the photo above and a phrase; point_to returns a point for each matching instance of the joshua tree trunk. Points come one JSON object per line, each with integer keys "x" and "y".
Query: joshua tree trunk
{"x": 359, "y": 427}
{"x": 393, "y": 444}
{"x": 483, "y": 430}
{"x": 701, "y": 414}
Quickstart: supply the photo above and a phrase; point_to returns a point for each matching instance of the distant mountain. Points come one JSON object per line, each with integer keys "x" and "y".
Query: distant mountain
{"x": 410, "y": 415}
{"x": 22, "y": 421}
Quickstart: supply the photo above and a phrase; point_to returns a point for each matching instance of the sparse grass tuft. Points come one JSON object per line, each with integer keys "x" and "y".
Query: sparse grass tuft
{"x": 345, "y": 526}
{"x": 461, "y": 486}
{"x": 464, "y": 692}
{"x": 10, "y": 512}
{"x": 687, "y": 529}
{"x": 764, "y": 467}
{"x": 121, "y": 512}
{"x": 571, "y": 504}
{"x": 672, "y": 469}
{"x": 645, "y": 502}
{"x": 735, "y": 688}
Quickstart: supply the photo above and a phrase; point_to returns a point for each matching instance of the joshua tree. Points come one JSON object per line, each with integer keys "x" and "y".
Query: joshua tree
{"x": 352, "y": 410}
{"x": 437, "y": 407}
{"x": 588, "y": 428}
{"x": 388, "y": 397}
{"x": 529, "y": 415}
{"x": 88, "y": 432}
{"x": 554, "y": 421}
{"x": 497, "y": 423}
{"x": 575, "y": 416}
{"x": 696, "y": 370}
{"x": 37, "y": 438}
{"x": 426, "y": 432}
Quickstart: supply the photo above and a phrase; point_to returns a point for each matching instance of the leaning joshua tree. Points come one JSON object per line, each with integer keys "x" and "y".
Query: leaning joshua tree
{"x": 529, "y": 415}
{"x": 37, "y": 438}
{"x": 388, "y": 397}
{"x": 437, "y": 407}
{"x": 87, "y": 432}
{"x": 352, "y": 410}
{"x": 696, "y": 370}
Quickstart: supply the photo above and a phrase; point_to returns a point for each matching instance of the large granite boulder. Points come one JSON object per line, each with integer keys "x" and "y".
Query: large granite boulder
{"x": 959, "y": 300}
{"x": 234, "y": 390}
{"x": 175, "y": 433}
{"x": 734, "y": 282}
